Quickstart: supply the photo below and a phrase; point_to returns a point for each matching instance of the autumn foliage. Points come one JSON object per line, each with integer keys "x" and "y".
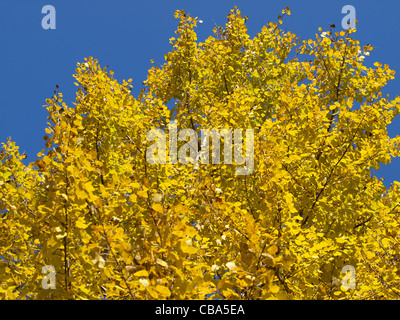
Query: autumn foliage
{"x": 116, "y": 227}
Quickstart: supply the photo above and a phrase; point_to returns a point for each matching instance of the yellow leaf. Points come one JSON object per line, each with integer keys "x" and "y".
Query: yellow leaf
{"x": 386, "y": 242}
{"x": 157, "y": 207}
{"x": 142, "y": 193}
{"x": 179, "y": 273}
{"x": 274, "y": 289}
{"x": 80, "y": 223}
{"x": 299, "y": 240}
{"x": 370, "y": 255}
{"x": 162, "y": 263}
{"x": 81, "y": 195}
{"x": 273, "y": 249}
{"x": 152, "y": 292}
{"x": 164, "y": 291}
{"x": 141, "y": 273}
{"x": 133, "y": 198}
{"x": 61, "y": 235}
{"x": 144, "y": 282}
{"x": 188, "y": 248}
{"x": 135, "y": 185}
{"x": 89, "y": 187}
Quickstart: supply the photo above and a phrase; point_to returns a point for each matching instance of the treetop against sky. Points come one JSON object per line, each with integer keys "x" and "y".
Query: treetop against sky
{"x": 94, "y": 217}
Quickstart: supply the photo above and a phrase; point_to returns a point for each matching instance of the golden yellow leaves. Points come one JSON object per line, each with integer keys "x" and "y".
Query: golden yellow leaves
{"x": 132, "y": 198}
{"x": 155, "y": 291}
{"x": 163, "y": 291}
{"x": 81, "y": 223}
{"x": 187, "y": 246}
{"x": 142, "y": 193}
{"x": 300, "y": 240}
{"x": 144, "y": 282}
{"x": 43, "y": 163}
{"x": 157, "y": 208}
{"x": 141, "y": 273}
{"x": 158, "y": 292}
{"x": 10, "y": 293}
{"x": 60, "y": 233}
{"x": 162, "y": 263}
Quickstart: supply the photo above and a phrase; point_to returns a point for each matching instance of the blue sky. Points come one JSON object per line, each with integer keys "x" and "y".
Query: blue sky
{"x": 126, "y": 34}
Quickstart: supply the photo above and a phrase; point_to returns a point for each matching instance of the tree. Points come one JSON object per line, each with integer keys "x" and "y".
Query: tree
{"x": 115, "y": 226}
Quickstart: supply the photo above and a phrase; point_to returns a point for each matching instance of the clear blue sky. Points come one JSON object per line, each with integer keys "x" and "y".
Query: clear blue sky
{"x": 126, "y": 34}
